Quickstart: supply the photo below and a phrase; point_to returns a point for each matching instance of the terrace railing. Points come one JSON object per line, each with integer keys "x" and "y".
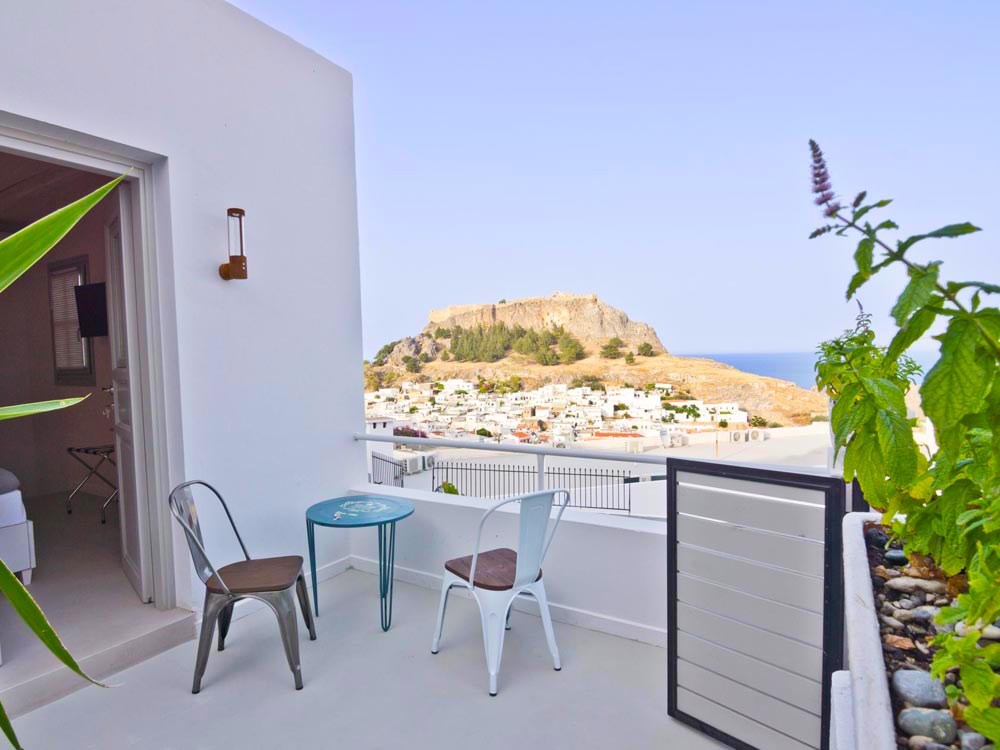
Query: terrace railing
{"x": 596, "y": 489}
{"x": 386, "y": 471}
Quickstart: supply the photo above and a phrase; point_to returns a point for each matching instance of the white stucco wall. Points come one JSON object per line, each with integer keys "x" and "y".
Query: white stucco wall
{"x": 267, "y": 387}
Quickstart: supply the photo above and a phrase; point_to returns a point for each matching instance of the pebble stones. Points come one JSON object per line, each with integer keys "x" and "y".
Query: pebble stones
{"x": 884, "y": 573}
{"x": 924, "y": 613}
{"x": 990, "y": 632}
{"x": 892, "y": 622}
{"x": 939, "y": 725}
{"x": 896, "y": 557}
{"x": 898, "y": 641}
{"x": 876, "y": 537}
{"x": 971, "y": 740}
{"x": 918, "y": 689}
{"x": 917, "y": 742}
{"x": 908, "y": 584}
{"x": 908, "y": 597}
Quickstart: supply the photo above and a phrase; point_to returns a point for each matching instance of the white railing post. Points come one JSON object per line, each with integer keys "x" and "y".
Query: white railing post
{"x": 540, "y": 479}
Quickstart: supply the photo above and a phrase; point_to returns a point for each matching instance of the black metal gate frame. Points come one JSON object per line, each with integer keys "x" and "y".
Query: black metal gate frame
{"x": 834, "y": 489}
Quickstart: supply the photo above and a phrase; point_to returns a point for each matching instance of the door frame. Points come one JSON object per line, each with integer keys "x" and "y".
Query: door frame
{"x": 157, "y": 377}
{"x": 120, "y": 277}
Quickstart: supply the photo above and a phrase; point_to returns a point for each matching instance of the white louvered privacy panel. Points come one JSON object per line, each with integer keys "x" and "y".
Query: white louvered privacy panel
{"x": 746, "y": 563}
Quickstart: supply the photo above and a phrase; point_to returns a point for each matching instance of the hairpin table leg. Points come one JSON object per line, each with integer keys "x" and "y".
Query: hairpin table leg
{"x": 386, "y": 560}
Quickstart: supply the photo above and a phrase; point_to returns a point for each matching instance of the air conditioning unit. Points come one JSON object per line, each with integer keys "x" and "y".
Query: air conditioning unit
{"x": 412, "y": 462}
{"x": 428, "y": 460}
{"x": 736, "y": 436}
{"x": 633, "y": 445}
{"x": 757, "y": 435}
{"x": 678, "y": 439}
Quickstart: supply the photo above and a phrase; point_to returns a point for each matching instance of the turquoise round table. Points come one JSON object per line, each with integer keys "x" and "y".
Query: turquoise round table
{"x": 355, "y": 511}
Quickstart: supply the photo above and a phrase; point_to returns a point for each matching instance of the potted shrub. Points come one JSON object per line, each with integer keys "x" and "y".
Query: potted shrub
{"x": 923, "y": 575}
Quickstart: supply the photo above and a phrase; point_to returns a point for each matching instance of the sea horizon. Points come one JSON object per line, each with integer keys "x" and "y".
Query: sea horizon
{"x": 797, "y": 367}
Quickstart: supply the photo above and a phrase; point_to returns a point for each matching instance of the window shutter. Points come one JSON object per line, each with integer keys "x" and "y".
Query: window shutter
{"x": 70, "y": 350}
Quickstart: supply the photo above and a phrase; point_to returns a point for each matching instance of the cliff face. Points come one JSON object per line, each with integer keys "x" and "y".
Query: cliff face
{"x": 584, "y": 316}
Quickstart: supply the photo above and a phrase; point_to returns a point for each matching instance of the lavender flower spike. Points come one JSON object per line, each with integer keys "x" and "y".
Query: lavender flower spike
{"x": 821, "y": 184}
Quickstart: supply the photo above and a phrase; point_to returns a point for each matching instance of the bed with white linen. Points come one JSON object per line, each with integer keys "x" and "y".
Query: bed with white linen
{"x": 17, "y": 535}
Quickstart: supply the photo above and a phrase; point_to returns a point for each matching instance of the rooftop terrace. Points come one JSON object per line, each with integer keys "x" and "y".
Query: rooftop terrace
{"x": 369, "y": 689}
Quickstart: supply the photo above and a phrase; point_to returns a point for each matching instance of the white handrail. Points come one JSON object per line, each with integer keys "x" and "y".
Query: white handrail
{"x": 541, "y": 451}
{"x": 536, "y": 450}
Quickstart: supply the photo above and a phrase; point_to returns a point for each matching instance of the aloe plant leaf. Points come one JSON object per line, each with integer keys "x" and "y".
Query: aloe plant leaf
{"x": 37, "y": 407}
{"x": 23, "y": 249}
{"x": 8, "y": 729}
{"x": 32, "y": 616}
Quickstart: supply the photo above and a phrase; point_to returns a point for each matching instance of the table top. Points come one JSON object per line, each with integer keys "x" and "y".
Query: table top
{"x": 359, "y": 510}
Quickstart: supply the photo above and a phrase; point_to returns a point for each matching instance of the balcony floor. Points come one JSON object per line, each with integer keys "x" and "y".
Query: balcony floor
{"x": 368, "y": 689}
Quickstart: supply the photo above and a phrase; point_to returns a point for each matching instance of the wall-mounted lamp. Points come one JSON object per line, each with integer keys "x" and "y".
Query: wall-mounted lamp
{"x": 236, "y": 268}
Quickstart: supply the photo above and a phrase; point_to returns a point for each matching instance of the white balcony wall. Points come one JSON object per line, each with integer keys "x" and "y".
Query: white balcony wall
{"x": 603, "y": 572}
{"x": 263, "y": 378}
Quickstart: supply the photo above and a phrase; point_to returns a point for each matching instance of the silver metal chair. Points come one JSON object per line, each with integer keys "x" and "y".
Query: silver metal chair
{"x": 276, "y": 581}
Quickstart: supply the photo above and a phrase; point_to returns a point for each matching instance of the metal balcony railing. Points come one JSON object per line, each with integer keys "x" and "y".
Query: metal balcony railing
{"x": 596, "y": 489}
{"x": 386, "y": 471}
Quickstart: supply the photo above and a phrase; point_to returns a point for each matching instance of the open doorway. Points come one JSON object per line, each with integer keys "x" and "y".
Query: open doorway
{"x": 80, "y": 539}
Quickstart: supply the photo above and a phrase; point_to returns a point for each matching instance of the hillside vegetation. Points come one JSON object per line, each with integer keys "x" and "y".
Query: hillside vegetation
{"x": 597, "y": 345}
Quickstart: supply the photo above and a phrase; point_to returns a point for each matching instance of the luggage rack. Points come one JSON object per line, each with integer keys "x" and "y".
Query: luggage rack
{"x": 104, "y": 454}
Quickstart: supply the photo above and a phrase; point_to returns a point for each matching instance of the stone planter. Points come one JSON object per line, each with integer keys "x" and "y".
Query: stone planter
{"x": 862, "y": 717}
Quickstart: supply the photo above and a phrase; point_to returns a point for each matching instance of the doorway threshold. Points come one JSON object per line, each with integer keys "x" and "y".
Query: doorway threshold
{"x": 79, "y": 584}
{"x": 25, "y": 692}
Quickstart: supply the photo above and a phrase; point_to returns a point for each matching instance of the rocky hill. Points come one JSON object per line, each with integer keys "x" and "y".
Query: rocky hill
{"x": 583, "y": 315}
{"x": 427, "y": 356}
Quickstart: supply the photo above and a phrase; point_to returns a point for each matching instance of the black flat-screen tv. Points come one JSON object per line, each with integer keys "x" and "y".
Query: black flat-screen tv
{"x": 92, "y": 310}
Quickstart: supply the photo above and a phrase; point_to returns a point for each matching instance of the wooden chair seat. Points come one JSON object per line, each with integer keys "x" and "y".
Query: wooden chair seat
{"x": 495, "y": 569}
{"x": 252, "y": 576}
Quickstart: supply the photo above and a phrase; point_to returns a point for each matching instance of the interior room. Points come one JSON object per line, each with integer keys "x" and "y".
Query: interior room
{"x": 60, "y": 523}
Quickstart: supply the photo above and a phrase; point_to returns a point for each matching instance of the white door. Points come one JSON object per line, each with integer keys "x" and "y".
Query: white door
{"x": 122, "y": 325}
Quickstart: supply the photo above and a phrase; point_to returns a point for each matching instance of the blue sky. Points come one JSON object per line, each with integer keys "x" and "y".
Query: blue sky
{"x": 656, "y": 153}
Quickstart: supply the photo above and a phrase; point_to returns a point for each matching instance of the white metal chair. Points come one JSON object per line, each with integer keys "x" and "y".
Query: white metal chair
{"x": 497, "y": 577}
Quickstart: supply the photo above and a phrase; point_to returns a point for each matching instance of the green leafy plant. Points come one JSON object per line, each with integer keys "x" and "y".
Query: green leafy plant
{"x": 612, "y": 349}
{"x": 588, "y": 381}
{"x": 570, "y": 348}
{"x": 382, "y": 355}
{"x": 18, "y": 253}
{"x": 491, "y": 343}
{"x": 449, "y": 489}
{"x": 945, "y": 505}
